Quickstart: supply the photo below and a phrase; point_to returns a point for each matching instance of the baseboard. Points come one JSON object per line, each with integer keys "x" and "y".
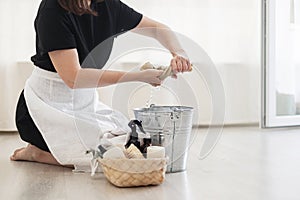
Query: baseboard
{"x": 254, "y": 124}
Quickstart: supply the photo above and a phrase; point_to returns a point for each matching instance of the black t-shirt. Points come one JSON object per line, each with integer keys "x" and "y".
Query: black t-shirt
{"x": 58, "y": 29}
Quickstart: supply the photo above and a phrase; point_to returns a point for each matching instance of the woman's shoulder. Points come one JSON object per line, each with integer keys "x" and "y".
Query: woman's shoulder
{"x": 51, "y": 15}
{"x": 113, "y": 3}
{"x": 52, "y": 6}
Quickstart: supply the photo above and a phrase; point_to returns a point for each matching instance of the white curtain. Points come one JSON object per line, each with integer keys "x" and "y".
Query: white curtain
{"x": 16, "y": 47}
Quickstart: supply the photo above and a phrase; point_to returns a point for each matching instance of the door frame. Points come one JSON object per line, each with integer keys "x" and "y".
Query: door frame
{"x": 269, "y": 117}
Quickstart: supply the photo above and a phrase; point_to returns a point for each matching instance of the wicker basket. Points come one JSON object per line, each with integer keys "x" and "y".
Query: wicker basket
{"x": 134, "y": 172}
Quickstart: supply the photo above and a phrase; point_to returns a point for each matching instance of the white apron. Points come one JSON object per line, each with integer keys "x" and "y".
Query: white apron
{"x": 71, "y": 121}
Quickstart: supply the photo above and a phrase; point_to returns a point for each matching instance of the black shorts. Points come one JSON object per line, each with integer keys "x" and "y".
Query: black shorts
{"x": 26, "y": 127}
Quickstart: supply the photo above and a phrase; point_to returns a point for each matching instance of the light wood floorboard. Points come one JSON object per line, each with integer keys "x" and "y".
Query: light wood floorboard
{"x": 247, "y": 164}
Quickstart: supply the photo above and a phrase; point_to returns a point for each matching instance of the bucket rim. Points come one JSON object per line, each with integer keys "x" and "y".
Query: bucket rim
{"x": 164, "y": 109}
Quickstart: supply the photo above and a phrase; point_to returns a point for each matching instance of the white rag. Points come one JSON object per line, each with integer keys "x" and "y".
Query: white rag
{"x": 167, "y": 71}
{"x": 71, "y": 121}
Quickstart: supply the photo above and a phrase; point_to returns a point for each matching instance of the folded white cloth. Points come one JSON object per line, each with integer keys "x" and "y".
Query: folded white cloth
{"x": 71, "y": 121}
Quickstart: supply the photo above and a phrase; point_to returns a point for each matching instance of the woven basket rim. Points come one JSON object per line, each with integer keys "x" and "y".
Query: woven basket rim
{"x": 135, "y": 165}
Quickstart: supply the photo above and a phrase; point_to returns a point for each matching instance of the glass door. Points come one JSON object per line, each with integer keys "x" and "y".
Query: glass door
{"x": 281, "y": 63}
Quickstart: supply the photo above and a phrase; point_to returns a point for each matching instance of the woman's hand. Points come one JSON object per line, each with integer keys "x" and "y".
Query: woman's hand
{"x": 180, "y": 64}
{"x": 150, "y": 76}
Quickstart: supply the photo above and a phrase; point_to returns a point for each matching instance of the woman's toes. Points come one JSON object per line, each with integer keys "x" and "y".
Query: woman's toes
{"x": 23, "y": 154}
{"x": 14, "y": 157}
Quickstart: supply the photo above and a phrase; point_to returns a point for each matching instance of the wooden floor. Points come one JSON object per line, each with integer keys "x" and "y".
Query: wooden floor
{"x": 247, "y": 163}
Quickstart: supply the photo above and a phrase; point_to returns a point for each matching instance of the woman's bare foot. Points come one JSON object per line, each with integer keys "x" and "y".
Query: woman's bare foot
{"x": 33, "y": 154}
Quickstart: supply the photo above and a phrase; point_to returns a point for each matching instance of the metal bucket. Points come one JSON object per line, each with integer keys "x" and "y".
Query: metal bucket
{"x": 170, "y": 127}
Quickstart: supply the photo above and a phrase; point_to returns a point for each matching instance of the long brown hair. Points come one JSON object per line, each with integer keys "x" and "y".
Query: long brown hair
{"x": 78, "y": 7}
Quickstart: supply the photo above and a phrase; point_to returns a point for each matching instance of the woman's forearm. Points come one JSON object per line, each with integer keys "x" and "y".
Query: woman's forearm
{"x": 162, "y": 33}
{"x": 67, "y": 65}
{"x": 168, "y": 39}
{"x": 92, "y": 78}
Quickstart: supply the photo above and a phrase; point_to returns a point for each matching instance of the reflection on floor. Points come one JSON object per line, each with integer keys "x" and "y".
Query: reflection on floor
{"x": 247, "y": 163}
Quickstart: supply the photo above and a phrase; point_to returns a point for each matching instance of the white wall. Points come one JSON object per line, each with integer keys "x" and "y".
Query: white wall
{"x": 228, "y": 30}
{"x": 16, "y": 46}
